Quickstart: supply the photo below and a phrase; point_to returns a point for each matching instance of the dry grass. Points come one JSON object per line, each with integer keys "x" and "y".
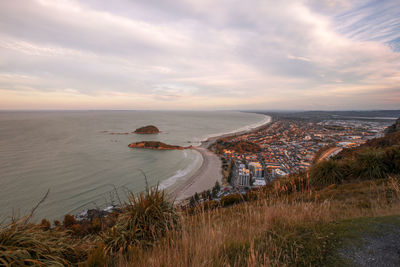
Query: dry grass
{"x": 145, "y": 219}
{"x": 270, "y": 231}
{"x": 24, "y": 244}
{"x": 294, "y": 221}
{"x": 288, "y": 223}
{"x": 285, "y": 224}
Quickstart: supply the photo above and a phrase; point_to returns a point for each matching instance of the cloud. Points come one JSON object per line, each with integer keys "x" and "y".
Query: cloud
{"x": 372, "y": 21}
{"x": 298, "y": 58}
{"x": 200, "y": 54}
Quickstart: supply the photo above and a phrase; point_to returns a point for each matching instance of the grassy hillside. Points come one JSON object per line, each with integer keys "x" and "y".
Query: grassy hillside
{"x": 310, "y": 219}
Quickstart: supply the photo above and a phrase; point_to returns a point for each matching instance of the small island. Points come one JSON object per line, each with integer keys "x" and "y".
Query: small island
{"x": 149, "y": 129}
{"x": 156, "y": 145}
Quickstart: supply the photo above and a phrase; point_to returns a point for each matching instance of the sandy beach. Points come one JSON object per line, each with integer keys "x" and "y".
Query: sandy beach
{"x": 210, "y": 141}
{"x": 203, "y": 179}
{"x": 209, "y": 172}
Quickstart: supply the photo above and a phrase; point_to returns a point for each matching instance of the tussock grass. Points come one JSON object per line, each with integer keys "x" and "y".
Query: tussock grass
{"x": 144, "y": 220}
{"x": 329, "y": 172}
{"x": 24, "y": 244}
{"x": 362, "y": 164}
{"x": 370, "y": 164}
{"x": 97, "y": 257}
{"x": 391, "y": 158}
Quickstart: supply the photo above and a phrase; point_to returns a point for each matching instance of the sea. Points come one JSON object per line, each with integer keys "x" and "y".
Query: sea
{"x": 83, "y": 158}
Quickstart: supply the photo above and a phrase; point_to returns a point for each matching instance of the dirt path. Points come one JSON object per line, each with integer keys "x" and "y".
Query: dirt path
{"x": 379, "y": 248}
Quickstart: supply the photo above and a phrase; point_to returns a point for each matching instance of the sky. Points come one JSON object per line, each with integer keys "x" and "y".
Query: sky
{"x": 200, "y": 54}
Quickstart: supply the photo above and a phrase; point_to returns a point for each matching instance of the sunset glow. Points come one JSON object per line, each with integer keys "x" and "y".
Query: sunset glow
{"x": 303, "y": 54}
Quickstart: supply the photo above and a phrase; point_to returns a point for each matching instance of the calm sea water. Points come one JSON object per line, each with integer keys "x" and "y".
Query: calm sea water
{"x": 69, "y": 153}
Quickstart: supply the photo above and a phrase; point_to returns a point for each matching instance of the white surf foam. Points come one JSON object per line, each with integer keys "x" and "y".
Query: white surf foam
{"x": 182, "y": 173}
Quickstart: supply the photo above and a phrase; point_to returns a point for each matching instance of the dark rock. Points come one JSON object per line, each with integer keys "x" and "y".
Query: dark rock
{"x": 149, "y": 129}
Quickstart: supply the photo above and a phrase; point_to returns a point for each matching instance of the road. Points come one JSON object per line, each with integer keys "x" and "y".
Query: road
{"x": 330, "y": 152}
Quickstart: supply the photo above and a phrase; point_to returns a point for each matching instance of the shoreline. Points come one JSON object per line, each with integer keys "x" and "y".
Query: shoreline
{"x": 211, "y": 140}
{"x": 210, "y": 170}
{"x": 202, "y": 179}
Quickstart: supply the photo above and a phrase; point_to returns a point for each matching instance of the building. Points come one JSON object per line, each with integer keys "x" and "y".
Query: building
{"x": 241, "y": 175}
{"x": 244, "y": 177}
{"x": 259, "y": 182}
{"x": 256, "y": 169}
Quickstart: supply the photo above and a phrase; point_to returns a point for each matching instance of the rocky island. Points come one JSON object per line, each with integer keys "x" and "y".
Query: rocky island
{"x": 149, "y": 129}
{"x": 156, "y": 145}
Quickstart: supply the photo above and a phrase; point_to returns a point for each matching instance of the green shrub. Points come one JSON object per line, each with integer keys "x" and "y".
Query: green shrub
{"x": 231, "y": 199}
{"x": 69, "y": 220}
{"x": 328, "y": 172}
{"x": 57, "y": 223}
{"x": 251, "y": 196}
{"x": 145, "y": 219}
{"x": 391, "y": 159}
{"x": 369, "y": 164}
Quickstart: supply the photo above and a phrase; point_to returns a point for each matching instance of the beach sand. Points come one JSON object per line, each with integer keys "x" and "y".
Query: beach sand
{"x": 203, "y": 179}
{"x": 210, "y": 170}
{"x": 210, "y": 141}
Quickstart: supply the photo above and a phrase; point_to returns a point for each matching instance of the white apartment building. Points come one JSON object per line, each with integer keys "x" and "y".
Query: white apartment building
{"x": 244, "y": 177}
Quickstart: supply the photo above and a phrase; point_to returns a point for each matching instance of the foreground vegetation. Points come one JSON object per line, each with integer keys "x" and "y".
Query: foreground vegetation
{"x": 306, "y": 219}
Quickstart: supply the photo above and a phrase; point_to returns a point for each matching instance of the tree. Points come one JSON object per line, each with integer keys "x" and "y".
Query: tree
{"x": 208, "y": 194}
{"x": 192, "y": 201}
{"x": 216, "y": 189}
{"x": 217, "y": 186}
{"x": 196, "y": 197}
{"x": 204, "y": 195}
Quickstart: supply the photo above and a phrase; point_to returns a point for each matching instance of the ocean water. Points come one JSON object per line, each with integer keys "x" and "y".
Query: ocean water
{"x": 70, "y": 153}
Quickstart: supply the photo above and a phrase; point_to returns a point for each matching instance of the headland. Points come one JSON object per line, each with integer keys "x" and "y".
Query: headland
{"x": 156, "y": 146}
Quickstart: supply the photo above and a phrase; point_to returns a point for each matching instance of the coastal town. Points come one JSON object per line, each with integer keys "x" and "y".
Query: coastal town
{"x": 287, "y": 144}
{"x": 282, "y": 147}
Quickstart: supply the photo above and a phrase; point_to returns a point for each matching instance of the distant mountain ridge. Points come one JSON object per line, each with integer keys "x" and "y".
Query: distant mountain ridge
{"x": 319, "y": 114}
{"x": 394, "y": 128}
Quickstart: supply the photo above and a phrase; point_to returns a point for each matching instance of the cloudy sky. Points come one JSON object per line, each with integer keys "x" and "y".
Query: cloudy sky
{"x": 199, "y": 54}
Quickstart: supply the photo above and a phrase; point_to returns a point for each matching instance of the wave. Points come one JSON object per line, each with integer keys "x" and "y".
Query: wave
{"x": 181, "y": 173}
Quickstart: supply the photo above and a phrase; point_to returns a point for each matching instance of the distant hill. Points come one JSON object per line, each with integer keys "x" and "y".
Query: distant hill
{"x": 345, "y": 115}
{"x": 394, "y": 128}
{"x": 391, "y": 140}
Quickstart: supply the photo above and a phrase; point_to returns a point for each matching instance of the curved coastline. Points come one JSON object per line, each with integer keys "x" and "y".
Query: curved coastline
{"x": 211, "y": 140}
{"x": 210, "y": 170}
{"x": 202, "y": 179}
